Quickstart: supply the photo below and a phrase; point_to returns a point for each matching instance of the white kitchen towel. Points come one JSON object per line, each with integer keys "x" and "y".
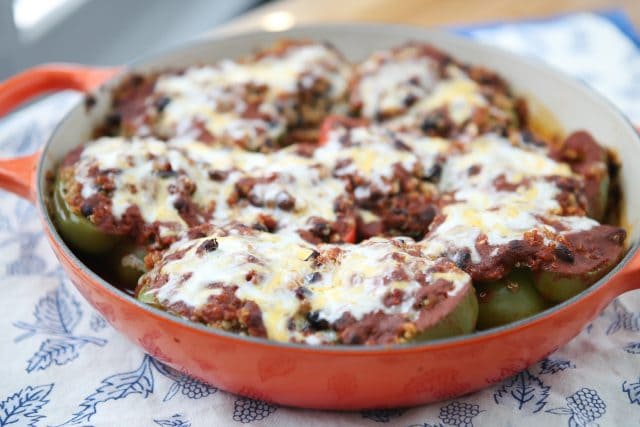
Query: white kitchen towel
{"x": 62, "y": 364}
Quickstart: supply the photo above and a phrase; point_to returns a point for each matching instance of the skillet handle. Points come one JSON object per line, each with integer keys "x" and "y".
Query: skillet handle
{"x": 629, "y": 278}
{"x": 17, "y": 174}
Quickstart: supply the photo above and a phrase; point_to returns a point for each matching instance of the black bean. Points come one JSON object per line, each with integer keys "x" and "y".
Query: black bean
{"x": 434, "y": 173}
{"x": 462, "y": 258}
{"x": 320, "y": 227}
{"x": 209, "y": 245}
{"x": 166, "y": 173}
{"x": 86, "y": 209}
{"x": 218, "y": 175}
{"x": 315, "y": 323}
{"x": 285, "y": 201}
{"x": 313, "y": 255}
{"x": 291, "y": 324}
{"x": 255, "y": 199}
{"x": 564, "y": 253}
{"x": 113, "y": 119}
{"x": 260, "y": 227}
{"x": 273, "y": 122}
{"x": 400, "y": 145}
{"x": 180, "y": 205}
{"x": 474, "y": 170}
{"x": 161, "y": 103}
{"x": 303, "y": 292}
{"x": 89, "y": 102}
{"x": 409, "y": 100}
{"x": 528, "y": 138}
{"x": 312, "y": 277}
{"x": 430, "y": 124}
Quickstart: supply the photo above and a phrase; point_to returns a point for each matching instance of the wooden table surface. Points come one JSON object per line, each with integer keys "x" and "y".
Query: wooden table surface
{"x": 285, "y": 13}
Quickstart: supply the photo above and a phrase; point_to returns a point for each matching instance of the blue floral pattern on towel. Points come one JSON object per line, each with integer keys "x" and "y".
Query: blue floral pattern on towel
{"x": 23, "y": 407}
{"x": 56, "y": 316}
{"x": 583, "y": 408}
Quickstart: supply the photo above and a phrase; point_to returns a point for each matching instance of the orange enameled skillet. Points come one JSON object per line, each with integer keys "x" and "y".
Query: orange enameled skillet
{"x": 332, "y": 377}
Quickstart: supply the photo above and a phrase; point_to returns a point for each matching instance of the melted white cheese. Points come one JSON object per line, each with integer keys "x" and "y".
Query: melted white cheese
{"x": 495, "y": 156}
{"x": 384, "y": 86}
{"x": 311, "y": 186}
{"x": 372, "y": 155}
{"x": 388, "y": 79}
{"x": 501, "y": 216}
{"x": 216, "y": 96}
{"x": 359, "y": 283}
{"x": 280, "y": 264}
{"x": 460, "y": 95}
{"x": 130, "y": 164}
{"x": 137, "y": 183}
{"x": 356, "y": 282}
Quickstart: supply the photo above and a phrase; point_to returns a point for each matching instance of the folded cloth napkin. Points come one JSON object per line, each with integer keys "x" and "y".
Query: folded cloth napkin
{"x": 62, "y": 364}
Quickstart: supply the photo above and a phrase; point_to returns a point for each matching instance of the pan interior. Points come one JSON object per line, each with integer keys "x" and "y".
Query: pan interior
{"x": 573, "y": 106}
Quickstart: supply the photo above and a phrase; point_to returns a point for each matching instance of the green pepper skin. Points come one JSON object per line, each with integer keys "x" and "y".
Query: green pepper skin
{"x": 589, "y": 159}
{"x": 509, "y": 299}
{"x": 146, "y": 296}
{"x": 558, "y": 287}
{"x": 598, "y": 205}
{"x": 129, "y": 265}
{"x": 461, "y": 321}
{"x": 76, "y": 230}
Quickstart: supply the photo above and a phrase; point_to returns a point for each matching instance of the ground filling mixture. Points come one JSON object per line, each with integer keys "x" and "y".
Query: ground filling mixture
{"x": 292, "y": 195}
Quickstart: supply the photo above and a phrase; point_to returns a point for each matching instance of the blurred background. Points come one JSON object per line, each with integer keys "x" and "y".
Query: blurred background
{"x": 102, "y": 32}
{"x": 116, "y": 31}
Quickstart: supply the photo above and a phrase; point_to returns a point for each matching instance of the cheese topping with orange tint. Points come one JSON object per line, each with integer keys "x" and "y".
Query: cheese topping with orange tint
{"x": 148, "y": 174}
{"x": 479, "y": 208}
{"x": 404, "y": 85}
{"x": 355, "y": 282}
{"x": 373, "y": 152}
{"x": 222, "y": 98}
